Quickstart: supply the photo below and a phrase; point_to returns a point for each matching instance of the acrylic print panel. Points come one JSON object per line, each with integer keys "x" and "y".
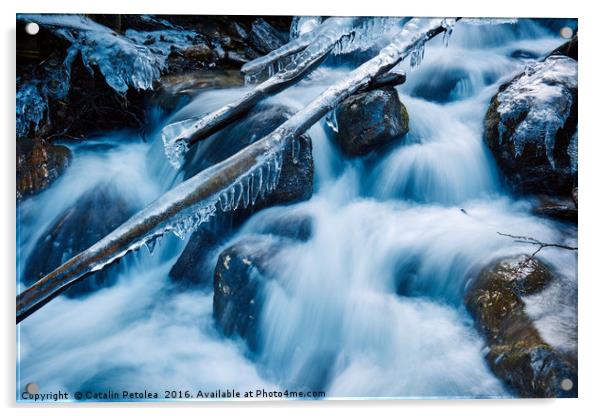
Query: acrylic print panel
{"x": 277, "y": 207}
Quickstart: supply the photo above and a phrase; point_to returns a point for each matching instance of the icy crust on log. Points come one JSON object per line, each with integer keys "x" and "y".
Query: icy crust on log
{"x": 237, "y": 182}
{"x": 410, "y": 40}
{"x": 485, "y": 21}
{"x": 543, "y": 95}
{"x": 178, "y": 136}
{"x": 304, "y": 24}
{"x": 346, "y": 34}
{"x": 245, "y": 176}
{"x": 322, "y": 38}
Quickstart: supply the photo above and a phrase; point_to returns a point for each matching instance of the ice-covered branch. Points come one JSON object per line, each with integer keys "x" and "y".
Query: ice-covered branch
{"x": 177, "y": 137}
{"x": 298, "y": 43}
{"x": 239, "y": 180}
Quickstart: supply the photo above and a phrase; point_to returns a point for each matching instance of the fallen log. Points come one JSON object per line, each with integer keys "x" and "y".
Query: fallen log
{"x": 177, "y": 137}
{"x": 239, "y": 180}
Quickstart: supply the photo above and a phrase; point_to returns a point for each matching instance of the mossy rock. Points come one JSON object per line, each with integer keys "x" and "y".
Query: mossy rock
{"x": 517, "y": 354}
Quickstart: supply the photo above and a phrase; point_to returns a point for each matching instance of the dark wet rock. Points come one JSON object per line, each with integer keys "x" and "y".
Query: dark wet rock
{"x": 563, "y": 208}
{"x": 370, "y": 120}
{"x": 39, "y": 163}
{"x": 91, "y": 105}
{"x": 265, "y": 38}
{"x": 196, "y": 57}
{"x": 574, "y": 194}
{"x": 295, "y": 184}
{"x": 196, "y": 264}
{"x": 531, "y": 128}
{"x": 97, "y": 213}
{"x": 296, "y": 178}
{"x": 199, "y": 53}
{"x": 241, "y": 274}
{"x": 390, "y": 79}
{"x": 569, "y": 48}
{"x": 517, "y": 354}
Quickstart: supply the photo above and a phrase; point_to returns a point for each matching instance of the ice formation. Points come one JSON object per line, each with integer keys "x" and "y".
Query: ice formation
{"x": 124, "y": 61}
{"x": 483, "y": 21}
{"x": 31, "y": 107}
{"x": 367, "y": 32}
{"x": 304, "y": 24}
{"x": 329, "y": 36}
{"x": 237, "y": 181}
{"x": 543, "y": 95}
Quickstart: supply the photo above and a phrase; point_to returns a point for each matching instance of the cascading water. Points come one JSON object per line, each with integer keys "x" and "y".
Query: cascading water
{"x": 371, "y": 305}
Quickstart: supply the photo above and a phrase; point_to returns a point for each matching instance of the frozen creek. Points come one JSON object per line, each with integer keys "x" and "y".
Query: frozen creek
{"x": 425, "y": 216}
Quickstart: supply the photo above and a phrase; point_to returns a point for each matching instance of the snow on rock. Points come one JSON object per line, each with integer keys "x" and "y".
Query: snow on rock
{"x": 528, "y": 129}
{"x": 545, "y": 93}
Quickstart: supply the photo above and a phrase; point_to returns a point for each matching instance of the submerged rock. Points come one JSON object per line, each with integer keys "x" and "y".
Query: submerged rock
{"x": 295, "y": 184}
{"x": 241, "y": 274}
{"x": 294, "y": 225}
{"x": 97, "y": 213}
{"x": 517, "y": 354}
{"x": 531, "y": 127}
{"x": 370, "y": 120}
{"x": 39, "y": 163}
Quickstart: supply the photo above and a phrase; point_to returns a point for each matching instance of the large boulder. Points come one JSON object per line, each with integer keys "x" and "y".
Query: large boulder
{"x": 531, "y": 127}
{"x": 370, "y": 120}
{"x": 295, "y": 184}
{"x": 517, "y": 354}
{"x": 97, "y": 213}
{"x": 39, "y": 163}
{"x": 241, "y": 274}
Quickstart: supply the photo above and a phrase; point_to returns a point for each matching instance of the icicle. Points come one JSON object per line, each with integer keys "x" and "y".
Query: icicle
{"x": 256, "y": 185}
{"x": 237, "y": 191}
{"x": 150, "y": 245}
{"x": 175, "y": 148}
{"x": 331, "y": 121}
{"x": 246, "y": 184}
{"x": 417, "y": 55}
{"x": 448, "y": 25}
{"x": 296, "y": 150}
{"x": 224, "y": 201}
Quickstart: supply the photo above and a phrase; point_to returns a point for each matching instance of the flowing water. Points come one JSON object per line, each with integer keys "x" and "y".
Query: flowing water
{"x": 370, "y": 306}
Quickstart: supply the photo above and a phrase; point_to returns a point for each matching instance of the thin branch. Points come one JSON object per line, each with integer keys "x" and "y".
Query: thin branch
{"x": 541, "y": 245}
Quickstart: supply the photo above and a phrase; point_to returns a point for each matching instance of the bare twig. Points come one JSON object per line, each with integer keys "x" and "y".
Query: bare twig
{"x": 541, "y": 245}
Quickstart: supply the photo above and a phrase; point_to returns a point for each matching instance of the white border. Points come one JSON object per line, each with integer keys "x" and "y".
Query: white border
{"x": 590, "y": 287}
